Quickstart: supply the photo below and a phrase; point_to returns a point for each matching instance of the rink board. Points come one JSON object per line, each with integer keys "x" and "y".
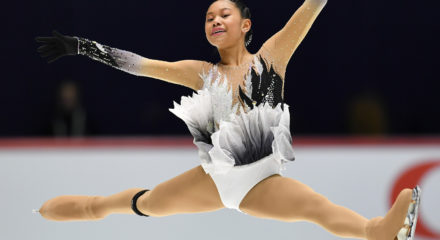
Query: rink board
{"x": 356, "y": 175}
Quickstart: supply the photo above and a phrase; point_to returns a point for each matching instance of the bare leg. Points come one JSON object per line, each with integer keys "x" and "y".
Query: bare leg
{"x": 289, "y": 200}
{"x": 78, "y": 207}
{"x": 192, "y": 191}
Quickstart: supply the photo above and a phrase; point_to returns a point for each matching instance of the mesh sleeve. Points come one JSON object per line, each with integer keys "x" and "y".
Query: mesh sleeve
{"x": 283, "y": 44}
{"x": 120, "y": 59}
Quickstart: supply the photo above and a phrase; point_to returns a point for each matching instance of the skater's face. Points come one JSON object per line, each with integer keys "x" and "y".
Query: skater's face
{"x": 224, "y": 25}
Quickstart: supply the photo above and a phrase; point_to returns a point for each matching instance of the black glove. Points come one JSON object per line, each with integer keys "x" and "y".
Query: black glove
{"x": 57, "y": 46}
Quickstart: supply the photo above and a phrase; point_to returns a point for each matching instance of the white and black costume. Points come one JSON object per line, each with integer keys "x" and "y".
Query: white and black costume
{"x": 243, "y": 134}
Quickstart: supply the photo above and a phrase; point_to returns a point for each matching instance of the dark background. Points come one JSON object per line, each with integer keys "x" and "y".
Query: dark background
{"x": 365, "y": 68}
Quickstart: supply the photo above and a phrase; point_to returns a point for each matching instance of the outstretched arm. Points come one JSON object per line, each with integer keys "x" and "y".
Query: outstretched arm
{"x": 284, "y": 43}
{"x": 184, "y": 72}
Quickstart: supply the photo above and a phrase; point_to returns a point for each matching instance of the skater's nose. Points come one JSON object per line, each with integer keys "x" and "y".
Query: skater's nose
{"x": 215, "y": 22}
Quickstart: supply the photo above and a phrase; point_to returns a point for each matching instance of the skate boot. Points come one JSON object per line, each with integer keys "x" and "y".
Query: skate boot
{"x": 409, "y": 229}
{"x": 387, "y": 228}
{"x": 69, "y": 208}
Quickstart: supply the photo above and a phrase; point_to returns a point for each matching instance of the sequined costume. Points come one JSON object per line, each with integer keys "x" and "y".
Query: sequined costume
{"x": 225, "y": 98}
{"x": 237, "y": 117}
{"x": 240, "y": 125}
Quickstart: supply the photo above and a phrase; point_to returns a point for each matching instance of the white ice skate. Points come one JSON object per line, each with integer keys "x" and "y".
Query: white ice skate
{"x": 408, "y": 231}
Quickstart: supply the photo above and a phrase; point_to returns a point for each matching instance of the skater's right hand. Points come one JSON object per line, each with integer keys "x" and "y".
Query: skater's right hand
{"x": 57, "y": 46}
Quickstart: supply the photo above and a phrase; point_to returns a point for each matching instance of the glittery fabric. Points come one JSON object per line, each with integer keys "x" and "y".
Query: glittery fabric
{"x": 259, "y": 84}
{"x": 237, "y": 120}
{"x": 241, "y": 139}
{"x": 120, "y": 59}
{"x": 265, "y": 86}
{"x": 285, "y": 42}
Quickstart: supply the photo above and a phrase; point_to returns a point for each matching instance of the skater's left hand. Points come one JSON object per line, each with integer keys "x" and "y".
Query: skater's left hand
{"x": 57, "y": 46}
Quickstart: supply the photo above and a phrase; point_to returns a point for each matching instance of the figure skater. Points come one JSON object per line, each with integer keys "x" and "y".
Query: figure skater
{"x": 240, "y": 125}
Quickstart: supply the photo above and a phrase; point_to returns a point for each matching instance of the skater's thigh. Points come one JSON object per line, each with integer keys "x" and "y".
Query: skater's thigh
{"x": 190, "y": 192}
{"x": 284, "y": 199}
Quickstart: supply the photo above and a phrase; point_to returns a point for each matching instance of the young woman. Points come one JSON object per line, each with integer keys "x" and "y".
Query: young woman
{"x": 241, "y": 127}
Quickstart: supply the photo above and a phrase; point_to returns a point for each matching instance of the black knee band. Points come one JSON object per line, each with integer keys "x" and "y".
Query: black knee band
{"x": 134, "y": 200}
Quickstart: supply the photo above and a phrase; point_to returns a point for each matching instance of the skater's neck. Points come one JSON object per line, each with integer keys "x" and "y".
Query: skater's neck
{"x": 234, "y": 56}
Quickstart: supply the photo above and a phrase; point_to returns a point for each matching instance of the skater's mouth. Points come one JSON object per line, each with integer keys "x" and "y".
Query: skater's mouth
{"x": 217, "y": 31}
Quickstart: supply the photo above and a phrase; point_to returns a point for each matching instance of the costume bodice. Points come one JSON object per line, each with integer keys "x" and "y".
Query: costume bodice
{"x": 237, "y": 89}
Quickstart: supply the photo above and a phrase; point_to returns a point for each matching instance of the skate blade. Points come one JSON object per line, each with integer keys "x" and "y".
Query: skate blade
{"x": 408, "y": 231}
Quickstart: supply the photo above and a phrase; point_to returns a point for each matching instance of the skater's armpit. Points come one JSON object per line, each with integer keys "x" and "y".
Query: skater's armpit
{"x": 283, "y": 44}
{"x": 185, "y": 72}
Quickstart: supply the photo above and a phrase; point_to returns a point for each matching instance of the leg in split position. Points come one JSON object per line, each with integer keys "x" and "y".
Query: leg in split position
{"x": 191, "y": 192}
{"x": 275, "y": 197}
{"x": 289, "y": 200}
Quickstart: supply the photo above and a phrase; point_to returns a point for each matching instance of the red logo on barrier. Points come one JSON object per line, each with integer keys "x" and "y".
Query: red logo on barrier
{"x": 409, "y": 179}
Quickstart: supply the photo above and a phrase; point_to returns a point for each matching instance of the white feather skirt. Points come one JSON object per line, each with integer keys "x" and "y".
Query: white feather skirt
{"x": 239, "y": 139}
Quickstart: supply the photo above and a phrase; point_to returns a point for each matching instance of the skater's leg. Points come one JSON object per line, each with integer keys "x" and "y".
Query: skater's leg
{"x": 116, "y": 203}
{"x": 80, "y": 207}
{"x": 289, "y": 200}
{"x": 192, "y": 191}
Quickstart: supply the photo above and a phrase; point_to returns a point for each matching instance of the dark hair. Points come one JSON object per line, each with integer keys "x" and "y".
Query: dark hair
{"x": 246, "y": 14}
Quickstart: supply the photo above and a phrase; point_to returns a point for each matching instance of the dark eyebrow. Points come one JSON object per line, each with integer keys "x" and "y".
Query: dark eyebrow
{"x": 221, "y": 9}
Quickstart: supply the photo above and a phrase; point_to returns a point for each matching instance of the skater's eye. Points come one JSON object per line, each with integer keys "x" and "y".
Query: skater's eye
{"x": 224, "y": 16}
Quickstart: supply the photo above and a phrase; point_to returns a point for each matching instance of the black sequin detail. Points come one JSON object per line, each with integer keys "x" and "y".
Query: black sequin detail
{"x": 117, "y": 58}
{"x": 266, "y": 88}
{"x": 90, "y": 49}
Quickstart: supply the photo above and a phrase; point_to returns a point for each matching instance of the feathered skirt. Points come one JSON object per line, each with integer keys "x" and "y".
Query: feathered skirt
{"x": 243, "y": 149}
